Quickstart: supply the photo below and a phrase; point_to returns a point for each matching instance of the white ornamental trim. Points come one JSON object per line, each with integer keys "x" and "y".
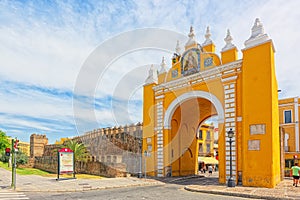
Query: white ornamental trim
{"x": 229, "y": 71}
{"x": 229, "y": 91}
{"x": 215, "y": 72}
{"x": 231, "y": 78}
{"x": 160, "y": 97}
{"x": 231, "y": 119}
{"x": 229, "y": 100}
{"x": 190, "y": 95}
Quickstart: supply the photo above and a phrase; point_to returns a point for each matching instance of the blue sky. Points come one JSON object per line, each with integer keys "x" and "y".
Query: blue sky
{"x": 46, "y": 44}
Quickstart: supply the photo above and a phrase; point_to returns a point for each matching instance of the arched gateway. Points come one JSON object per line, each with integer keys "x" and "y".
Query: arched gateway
{"x": 200, "y": 84}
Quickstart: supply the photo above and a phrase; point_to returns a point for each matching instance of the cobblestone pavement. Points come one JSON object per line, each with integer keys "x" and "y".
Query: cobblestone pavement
{"x": 210, "y": 184}
{"x": 200, "y": 183}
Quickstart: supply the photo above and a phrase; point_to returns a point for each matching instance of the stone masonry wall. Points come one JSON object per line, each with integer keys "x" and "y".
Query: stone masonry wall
{"x": 111, "y": 150}
{"x": 37, "y": 144}
{"x": 49, "y": 163}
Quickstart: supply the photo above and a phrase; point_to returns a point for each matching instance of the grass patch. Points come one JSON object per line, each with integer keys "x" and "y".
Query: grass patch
{"x": 34, "y": 171}
{"x": 25, "y": 171}
{"x": 31, "y": 171}
{"x": 4, "y": 166}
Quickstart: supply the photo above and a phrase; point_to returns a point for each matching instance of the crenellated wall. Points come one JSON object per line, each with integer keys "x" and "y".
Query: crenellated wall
{"x": 111, "y": 150}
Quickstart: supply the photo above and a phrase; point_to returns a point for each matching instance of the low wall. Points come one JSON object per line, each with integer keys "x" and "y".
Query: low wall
{"x": 48, "y": 163}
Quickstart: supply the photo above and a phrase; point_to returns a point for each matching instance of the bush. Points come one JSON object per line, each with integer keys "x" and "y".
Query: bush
{"x": 22, "y": 158}
{"x": 4, "y": 158}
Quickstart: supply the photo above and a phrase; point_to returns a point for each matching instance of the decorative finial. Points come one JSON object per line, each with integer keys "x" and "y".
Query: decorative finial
{"x": 208, "y": 34}
{"x": 257, "y": 28}
{"x": 163, "y": 65}
{"x": 177, "y": 48}
{"x": 192, "y": 33}
{"x": 152, "y": 77}
{"x": 258, "y": 35}
{"x": 207, "y": 37}
{"x": 228, "y": 39}
{"x": 191, "y": 40}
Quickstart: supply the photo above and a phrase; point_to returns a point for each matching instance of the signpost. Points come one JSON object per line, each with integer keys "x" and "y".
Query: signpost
{"x": 66, "y": 163}
{"x": 14, "y": 149}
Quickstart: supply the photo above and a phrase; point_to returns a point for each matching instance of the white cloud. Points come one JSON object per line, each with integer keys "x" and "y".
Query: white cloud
{"x": 47, "y": 44}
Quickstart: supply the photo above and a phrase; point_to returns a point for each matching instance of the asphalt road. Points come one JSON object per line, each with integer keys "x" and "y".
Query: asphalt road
{"x": 165, "y": 192}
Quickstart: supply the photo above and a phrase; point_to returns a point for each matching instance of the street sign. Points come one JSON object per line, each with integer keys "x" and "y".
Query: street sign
{"x": 16, "y": 145}
{"x": 66, "y": 164}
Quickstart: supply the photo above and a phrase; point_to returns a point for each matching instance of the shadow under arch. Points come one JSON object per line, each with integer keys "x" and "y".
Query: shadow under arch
{"x": 190, "y": 95}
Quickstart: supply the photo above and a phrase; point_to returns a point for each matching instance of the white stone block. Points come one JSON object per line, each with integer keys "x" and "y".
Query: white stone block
{"x": 229, "y": 91}
{"x": 229, "y": 100}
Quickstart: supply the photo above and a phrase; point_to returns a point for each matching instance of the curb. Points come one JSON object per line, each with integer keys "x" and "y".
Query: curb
{"x": 94, "y": 188}
{"x": 186, "y": 178}
{"x": 251, "y": 196}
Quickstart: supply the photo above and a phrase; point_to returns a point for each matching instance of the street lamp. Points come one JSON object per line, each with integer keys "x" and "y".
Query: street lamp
{"x": 231, "y": 182}
{"x": 140, "y": 151}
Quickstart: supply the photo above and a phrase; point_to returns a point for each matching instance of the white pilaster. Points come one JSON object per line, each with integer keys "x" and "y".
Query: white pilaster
{"x": 160, "y": 138}
{"x": 296, "y": 120}
{"x": 230, "y": 123}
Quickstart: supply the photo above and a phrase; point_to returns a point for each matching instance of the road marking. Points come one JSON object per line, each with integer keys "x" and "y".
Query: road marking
{"x": 7, "y": 195}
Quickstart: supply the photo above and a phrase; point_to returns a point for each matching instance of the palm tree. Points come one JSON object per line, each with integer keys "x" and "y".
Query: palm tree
{"x": 80, "y": 151}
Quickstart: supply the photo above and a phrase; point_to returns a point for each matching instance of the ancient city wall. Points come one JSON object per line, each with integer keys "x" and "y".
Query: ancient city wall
{"x": 113, "y": 151}
{"x": 49, "y": 163}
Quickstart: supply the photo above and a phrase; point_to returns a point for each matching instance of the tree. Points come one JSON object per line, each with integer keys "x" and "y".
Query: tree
{"x": 80, "y": 151}
{"x": 4, "y": 143}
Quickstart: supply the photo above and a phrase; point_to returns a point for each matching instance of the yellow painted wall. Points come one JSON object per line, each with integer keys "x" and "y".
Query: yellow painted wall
{"x": 229, "y": 55}
{"x": 148, "y": 127}
{"x": 260, "y": 106}
{"x": 209, "y": 48}
{"x": 289, "y": 128}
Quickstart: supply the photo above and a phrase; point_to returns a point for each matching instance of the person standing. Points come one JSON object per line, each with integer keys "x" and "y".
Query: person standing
{"x": 295, "y": 172}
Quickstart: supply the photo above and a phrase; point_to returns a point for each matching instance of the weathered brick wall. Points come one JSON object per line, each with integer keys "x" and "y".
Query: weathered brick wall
{"x": 49, "y": 163}
{"x": 37, "y": 144}
{"x": 117, "y": 147}
{"x": 51, "y": 149}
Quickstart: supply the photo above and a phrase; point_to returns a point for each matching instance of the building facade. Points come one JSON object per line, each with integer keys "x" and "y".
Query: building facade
{"x": 289, "y": 121}
{"x": 206, "y": 139}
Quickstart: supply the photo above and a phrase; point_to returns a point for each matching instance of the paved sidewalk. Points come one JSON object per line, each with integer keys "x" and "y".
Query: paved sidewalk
{"x": 33, "y": 183}
{"x": 202, "y": 183}
{"x": 283, "y": 190}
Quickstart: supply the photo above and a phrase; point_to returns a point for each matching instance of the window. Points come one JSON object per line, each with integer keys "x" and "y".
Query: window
{"x": 207, "y": 148}
{"x": 208, "y": 135}
{"x": 200, "y": 135}
{"x": 200, "y": 147}
{"x": 287, "y": 116}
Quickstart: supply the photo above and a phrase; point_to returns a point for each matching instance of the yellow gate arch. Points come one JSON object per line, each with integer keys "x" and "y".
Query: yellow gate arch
{"x": 201, "y": 84}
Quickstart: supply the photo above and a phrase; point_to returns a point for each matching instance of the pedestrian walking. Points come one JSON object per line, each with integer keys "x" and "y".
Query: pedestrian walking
{"x": 210, "y": 170}
{"x": 295, "y": 172}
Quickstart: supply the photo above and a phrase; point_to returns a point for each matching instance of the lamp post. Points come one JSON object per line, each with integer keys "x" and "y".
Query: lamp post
{"x": 231, "y": 182}
{"x": 140, "y": 150}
